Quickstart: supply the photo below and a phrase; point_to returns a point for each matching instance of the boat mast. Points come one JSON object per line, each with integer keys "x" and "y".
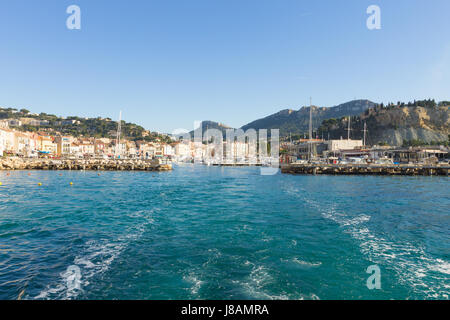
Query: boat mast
{"x": 349, "y": 128}
{"x": 365, "y": 130}
{"x": 119, "y": 129}
{"x": 310, "y": 129}
{"x": 208, "y": 154}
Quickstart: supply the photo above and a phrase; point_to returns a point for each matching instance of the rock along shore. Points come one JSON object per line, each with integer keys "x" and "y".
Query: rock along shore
{"x": 16, "y": 163}
{"x": 366, "y": 169}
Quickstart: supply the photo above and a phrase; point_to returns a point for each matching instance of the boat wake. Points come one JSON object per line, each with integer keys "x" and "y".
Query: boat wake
{"x": 412, "y": 264}
{"x": 95, "y": 259}
{"x": 258, "y": 283}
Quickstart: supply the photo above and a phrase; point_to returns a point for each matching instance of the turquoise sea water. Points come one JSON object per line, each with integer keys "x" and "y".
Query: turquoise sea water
{"x": 222, "y": 233}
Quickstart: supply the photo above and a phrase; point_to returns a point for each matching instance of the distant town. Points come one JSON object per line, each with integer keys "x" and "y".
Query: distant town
{"x": 44, "y": 144}
{"x": 28, "y": 135}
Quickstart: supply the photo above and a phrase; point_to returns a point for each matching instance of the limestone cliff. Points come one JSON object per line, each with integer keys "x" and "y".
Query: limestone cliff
{"x": 396, "y": 124}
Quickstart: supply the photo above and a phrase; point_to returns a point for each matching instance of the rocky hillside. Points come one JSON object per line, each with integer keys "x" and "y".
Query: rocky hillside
{"x": 395, "y": 125}
{"x": 297, "y": 122}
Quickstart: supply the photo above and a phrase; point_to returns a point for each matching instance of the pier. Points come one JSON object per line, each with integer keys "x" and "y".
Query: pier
{"x": 367, "y": 169}
{"x": 84, "y": 164}
{"x": 237, "y": 164}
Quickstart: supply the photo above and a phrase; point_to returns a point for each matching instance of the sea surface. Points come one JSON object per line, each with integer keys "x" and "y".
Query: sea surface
{"x": 222, "y": 233}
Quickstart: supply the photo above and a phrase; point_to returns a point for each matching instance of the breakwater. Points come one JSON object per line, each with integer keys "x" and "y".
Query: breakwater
{"x": 367, "y": 169}
{"x": 15, "y": 163}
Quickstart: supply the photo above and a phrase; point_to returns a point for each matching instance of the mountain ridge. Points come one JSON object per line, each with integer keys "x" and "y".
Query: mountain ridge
{"x": 296, "y": 122}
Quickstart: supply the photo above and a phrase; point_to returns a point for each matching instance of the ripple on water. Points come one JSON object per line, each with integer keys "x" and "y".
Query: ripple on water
{"x": 222, "y": 233}
{"x": 96, "y": 258}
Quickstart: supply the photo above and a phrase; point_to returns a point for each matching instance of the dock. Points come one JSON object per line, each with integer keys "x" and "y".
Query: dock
{"x": 367, "y": 169}
{"x": 237, "y": 164}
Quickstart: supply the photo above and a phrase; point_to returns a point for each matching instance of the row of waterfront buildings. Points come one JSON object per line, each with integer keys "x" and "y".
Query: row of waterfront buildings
{"x": 33, "y": 144}
{"x": 52, "y": 144}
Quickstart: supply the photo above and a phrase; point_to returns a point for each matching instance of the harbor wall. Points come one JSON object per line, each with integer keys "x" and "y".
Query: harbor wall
{"x": 15, "y": 163}
{"x": 366, "y": 169}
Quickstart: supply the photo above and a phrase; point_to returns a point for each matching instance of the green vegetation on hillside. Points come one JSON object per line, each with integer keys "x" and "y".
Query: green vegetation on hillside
{"x": 79, "y": 127}
{"x": 419, "y": 143}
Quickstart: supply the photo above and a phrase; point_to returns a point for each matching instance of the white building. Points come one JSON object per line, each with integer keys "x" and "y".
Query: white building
{"x": 87, "y": 148}
{"x": 21, "y": 143}
{"x": 131, "y": 149}
{"x": 120, "y": 149}
{"x": 198, "y": 150}
{"x": 75, "y": 149}
{"x": 183, "y": 150}
{"x": 4, "y": 124}
{"x": 344, "y": 144}
{"x": 14, "y": 123}
{"x": 169, "y": 151}
{"x": 8, "y": 141}
{"x": 237, "y": 150}
{"x": 63, "y": 144}
{"x": 3, "y": 138}
{"x": 147, "y": 150}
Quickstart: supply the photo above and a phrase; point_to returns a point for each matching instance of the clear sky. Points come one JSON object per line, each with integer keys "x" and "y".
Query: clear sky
{"x": 166, "y": 63}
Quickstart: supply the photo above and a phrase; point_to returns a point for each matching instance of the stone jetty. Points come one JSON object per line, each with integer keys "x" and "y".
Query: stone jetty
{"x": 16, "y": 163}
{"x": 368, "y": 169}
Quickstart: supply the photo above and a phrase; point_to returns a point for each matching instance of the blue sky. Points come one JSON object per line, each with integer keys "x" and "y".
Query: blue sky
{"x": 167, "y": 63}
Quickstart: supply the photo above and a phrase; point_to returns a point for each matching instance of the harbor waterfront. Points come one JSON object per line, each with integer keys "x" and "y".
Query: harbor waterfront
{"x": 208, "y": 232}
{"x": 16, "y": 163}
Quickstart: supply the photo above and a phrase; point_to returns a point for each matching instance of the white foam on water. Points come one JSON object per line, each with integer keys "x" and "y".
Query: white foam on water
{"x": 96, "y": 259}
{"x": 215, "y": 255}
{"x": 196, "y": 283}
{"x": 255, "y": 286}
{"x": 412, "y": 264}
{"x": 314, "y": 297}
{"x": 442, "y": 267}
{"x": 306, "y": 263}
